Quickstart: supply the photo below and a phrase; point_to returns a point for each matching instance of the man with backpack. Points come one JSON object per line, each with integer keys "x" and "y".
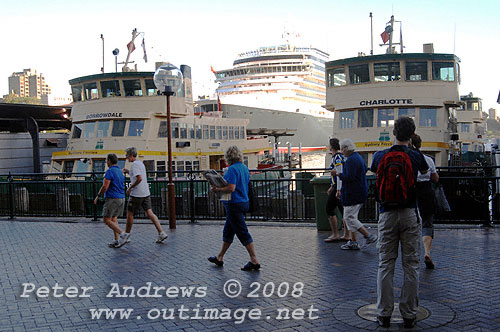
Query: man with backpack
{"x": 396, "y": 170}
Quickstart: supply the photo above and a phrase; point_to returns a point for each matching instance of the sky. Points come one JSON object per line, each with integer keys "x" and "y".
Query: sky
{"x": 61, "y": 39}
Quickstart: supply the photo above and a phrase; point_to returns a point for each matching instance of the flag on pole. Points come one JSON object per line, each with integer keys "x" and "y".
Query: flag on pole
{"x": 213, "y": 70}
{"x": 130, "y": 47}
{"x": 386, "y": 34}
{"x": 145, "y": 57}
{"x": 219, "y": 104}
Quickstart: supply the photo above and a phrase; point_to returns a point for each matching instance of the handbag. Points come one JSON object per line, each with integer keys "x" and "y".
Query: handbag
{"x": 252, "y": 198}
{"x": 441, "y": 201}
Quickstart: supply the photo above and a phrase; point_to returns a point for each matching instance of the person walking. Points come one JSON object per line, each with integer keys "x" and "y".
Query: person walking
{"x": 139, "y": 194}
{"x": 426, "y": 201}
{"x": 334, "y": 191}
{"x": 113, "y": 189}
{"x": 354, "y": 193}
{"x": 237, "y": 177}
{"x": 398, "y": 223}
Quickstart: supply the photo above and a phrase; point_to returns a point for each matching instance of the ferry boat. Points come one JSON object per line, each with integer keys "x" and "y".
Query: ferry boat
{"x": 278, "y": 87}
{"x": 367, "y": 94}
{"x": 113, "y": 111}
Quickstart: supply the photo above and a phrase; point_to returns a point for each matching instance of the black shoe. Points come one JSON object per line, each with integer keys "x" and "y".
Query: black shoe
{"x": 250, "y": 266}
{"x": 214, "y": 260}
{"x": 409, "y": 323}
{"x": 384, "y": 321}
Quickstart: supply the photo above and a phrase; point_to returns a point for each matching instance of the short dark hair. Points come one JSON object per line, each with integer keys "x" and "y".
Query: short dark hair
{"x": 113, "y": 159}
{"x": 404, "y": 128}
{"x": 334, "y": 143}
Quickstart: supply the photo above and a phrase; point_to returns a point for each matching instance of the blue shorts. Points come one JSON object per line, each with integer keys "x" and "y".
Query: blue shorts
{"x": 235, "y": 223}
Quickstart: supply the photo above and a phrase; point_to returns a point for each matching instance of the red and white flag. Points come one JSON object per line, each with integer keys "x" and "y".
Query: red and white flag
{"x": 130, "y": 47}
{"x": 213, "y": 70}
{"x": 385, "y": 36}
{"x": 145, "y": 57}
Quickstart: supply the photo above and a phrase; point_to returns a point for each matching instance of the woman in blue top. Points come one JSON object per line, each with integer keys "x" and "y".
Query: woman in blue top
{"x": 237, "y": 177}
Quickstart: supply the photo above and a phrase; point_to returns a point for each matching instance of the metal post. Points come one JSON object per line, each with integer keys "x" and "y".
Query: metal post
{"x": 11, "y": 198}
{"x": 192, "y": 198}
{"x": 102, "y": 69}
{"x": 171, "y": 187}
{"x": 94, "y": 193}
{"x": 371, "y": 34}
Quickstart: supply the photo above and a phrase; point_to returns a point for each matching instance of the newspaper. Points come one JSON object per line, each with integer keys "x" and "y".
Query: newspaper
{"x": 215, "y": 179}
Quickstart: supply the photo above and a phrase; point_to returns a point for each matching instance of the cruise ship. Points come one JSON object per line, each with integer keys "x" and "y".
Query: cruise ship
{"x": 367, "y": 94}
{"x": 278, "y": 87}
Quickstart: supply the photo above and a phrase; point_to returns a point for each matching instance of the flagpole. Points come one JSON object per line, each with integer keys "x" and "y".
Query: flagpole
{"x": 371, "y": 33}
{"x": 102, "y": 69}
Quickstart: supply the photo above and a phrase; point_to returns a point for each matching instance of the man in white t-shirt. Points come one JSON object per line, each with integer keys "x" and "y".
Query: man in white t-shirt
{"x": 139, "y": 195}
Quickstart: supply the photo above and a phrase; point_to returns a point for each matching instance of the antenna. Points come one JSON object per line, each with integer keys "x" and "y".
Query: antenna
{"x": 371, "y": 33}
{"x": 454, "y": 36}
{"x": 102, "y": 68}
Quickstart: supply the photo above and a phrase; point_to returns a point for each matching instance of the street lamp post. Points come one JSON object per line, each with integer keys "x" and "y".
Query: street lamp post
{"x": 168, "y": 80}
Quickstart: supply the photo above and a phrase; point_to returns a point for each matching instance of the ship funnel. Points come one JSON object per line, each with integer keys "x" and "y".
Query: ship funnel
{"x": 429, "y": 48}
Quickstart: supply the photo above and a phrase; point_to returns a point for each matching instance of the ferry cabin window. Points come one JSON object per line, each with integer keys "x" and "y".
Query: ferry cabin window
{"x": 68, "y": 166}
{"x": 110, "y": 89}
{"x": 183, "y": 130}
{"x": 219, "y": 132}
{"x": 242, "y": 132}
{"x": 465, "y": 148}
{"x": 118, "y": 128}
{"x": 136, "y": 128}
{"x": 82, "y": 166}
{"x": 121, "y": 163}
{"x": 77, "y": 92}
{"x": 161, "y": 168}
{"x": 385, "y": 117}
{"x": 102, "y": 128}
{"x": 150, "y": 167}
{"x": 98, "y": 165}
{"x": 180, "y": 167}
{"x": 443, "y": 71}
{"x": 162, "y": 130}
{"x": 346, "y": 119}
{"x": 231, "y": 132}
{"x": 206, "y": 133}
{"x": 56, "y": 166}
{"x": 175, "y": 130}
{"x": 365, "y": 118}
{"x": 77, "y": 130}
{"x": 428, "y": 117}
{"x": 336, "y": 77}
{"x": 237, "y": 132}
{"x": 132, "y": 88}
{"x": 196, "y": 165}
{"x": 198, "y": 132}
{"x": 385, "y": 72}
{"x": 150, "y": 87}
{"x": 189, "y": 166}
{"x": 359, "y": 74}
{"x": 409, "y": 112}
{"x": 90, "y": 91}
{"x": 465, "y": 128}
{"x": 224, "y": 132}
{"x": 212, "y": 132}
{"x": 416, "y": 71}
{"x": 245, "y": 160}
{"x": 89, "y": 128}
{"x": 191, "y": 131}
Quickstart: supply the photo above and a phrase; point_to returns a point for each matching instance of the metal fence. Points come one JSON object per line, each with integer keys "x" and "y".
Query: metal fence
{"x": 283, "y": 195}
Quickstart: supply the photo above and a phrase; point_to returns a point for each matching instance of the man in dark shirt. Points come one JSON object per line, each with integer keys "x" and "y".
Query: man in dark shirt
{"x": 399, "y": 224}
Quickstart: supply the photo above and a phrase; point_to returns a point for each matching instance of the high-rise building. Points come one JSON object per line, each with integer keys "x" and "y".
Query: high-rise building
{"x": 28, "y": 84}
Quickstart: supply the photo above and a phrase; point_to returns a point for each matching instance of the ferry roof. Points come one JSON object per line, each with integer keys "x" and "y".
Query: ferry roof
{"x": 13, "y": 116}
{"x": 394, "y": 57}
{"x": 119, "y": 75}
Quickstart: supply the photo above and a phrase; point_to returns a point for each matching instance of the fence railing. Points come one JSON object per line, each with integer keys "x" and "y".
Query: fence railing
{"x": 283, "y": 194}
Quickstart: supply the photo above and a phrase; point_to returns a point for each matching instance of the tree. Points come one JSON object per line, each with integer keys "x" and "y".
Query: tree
{"x": 15, "y": 99}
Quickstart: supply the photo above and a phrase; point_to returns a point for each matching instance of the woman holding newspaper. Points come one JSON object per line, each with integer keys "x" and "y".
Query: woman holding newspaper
{"x": 237, "y": 178}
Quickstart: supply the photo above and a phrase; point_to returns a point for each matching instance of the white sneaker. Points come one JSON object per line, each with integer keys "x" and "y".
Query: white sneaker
{"x": 123, "y": 239}
{"x": 113, "y": 244}
{"x": 162, "y": 236}
{"x": 351, "y": 245}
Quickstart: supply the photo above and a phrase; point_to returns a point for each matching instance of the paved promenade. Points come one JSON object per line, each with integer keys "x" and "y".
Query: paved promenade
{"x": 54, "y": 276}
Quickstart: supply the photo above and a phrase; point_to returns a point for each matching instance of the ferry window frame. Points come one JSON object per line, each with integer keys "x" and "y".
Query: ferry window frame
{"x": 336, "y": 76}
{"x": 149, "y": 165}
{"x": 437, "y": 71}
{"x": 79, "y": 166}
{"x": 198, "y": 132}
{"x": 132, "y": 88}
{"x": 346, "y": 119}
{"x": 359, "y": 74}
{"x": 190, "y": 130}
{"x": 98, "y": 165}
{"x": 118, "y": 130}
{"x": 180, "y": 168}
{"x": 162, "y": 129}
{"x": 90, "y": 132}
{"x": 231, "y": 132}
{"x": 150, "y": 87}
{"x": 110, "y": 89}
{"x": 66, "y": 168}
{"x": 212, "y": 132}
{"x": 136, "y": 128}
{"x": 77, "y": 93}
{"x": 183, "y": 132}
{"x": 102, "y": 126}
{"x": 77, "y": 130}
{"x": 161, "y": 168}
{"x": 206, "y": 132}
{"x": 384, "y": 120}
{"x": 189, "y": 166}
{"x": 90, "y": 91}
{"x": 196, "y": 165}
{"x": 56, "y": 166}
{"x": 175, "y": 129}
{"x": 411, "y": 112}
{"x": 465, "y": 127}
{"x": 365, "y": 118}
{"x": 224, "y": 132}
{"x": 427, "y": 117}
{"x": 242, "y": 133}
{"x": 386, "y": 71}
{"x": 237, "y": 132}
{"x": 416, "y": 70}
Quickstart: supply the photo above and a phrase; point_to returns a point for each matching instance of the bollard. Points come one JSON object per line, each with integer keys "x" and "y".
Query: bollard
{"x": 62, "y": 200}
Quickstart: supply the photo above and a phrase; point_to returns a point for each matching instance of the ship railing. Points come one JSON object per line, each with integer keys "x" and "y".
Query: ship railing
{"x": 284, "y": 195}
